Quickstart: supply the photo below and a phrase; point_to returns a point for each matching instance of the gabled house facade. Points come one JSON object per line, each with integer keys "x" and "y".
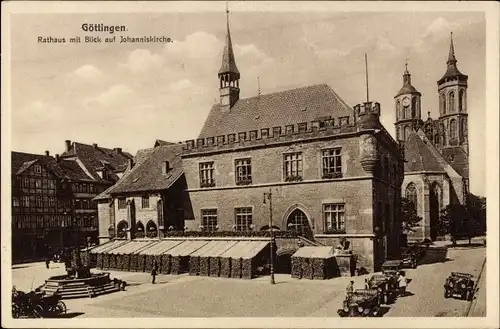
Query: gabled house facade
{"x": 52, "y": 206}
{"x": 148, "y": 199}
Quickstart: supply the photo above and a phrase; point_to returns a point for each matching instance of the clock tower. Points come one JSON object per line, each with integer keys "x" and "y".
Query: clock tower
{"x": 408, "y": 108}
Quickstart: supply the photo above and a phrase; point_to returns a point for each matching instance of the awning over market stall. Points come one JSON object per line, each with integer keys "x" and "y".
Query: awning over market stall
{"x": 130, "y": 247}
{"x": 108, "y": 246}
{"x": 186, "y": 248}
{"x": 214, "y": 248}
{"x": 160, "y": 247}
{"x": 245, "y": 249}
{"x": 314, "y": 252}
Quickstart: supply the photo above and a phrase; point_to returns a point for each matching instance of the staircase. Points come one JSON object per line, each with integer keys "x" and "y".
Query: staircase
{"x": 78, "y": 289}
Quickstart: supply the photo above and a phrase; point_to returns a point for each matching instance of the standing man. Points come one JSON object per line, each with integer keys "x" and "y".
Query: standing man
{"x": 349, "y": 290}
{"x": 47, "y": 260}
{"x": 154, "y": 270}
{"x": 402, "y": 283}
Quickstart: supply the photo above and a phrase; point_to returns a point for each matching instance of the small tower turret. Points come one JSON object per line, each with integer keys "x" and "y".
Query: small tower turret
{"x": 229, "y": 76}
{"x": 408, "y": 107}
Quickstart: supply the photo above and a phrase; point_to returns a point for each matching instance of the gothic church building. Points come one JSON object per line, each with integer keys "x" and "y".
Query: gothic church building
{"x": 436, "y": 150}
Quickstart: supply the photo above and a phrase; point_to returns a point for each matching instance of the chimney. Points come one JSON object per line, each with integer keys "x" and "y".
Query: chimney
{"x": 68, "y": 145}
{"x": 118, "y": 150}
{"x": 57, "y": 157}
{"x": 130, "y": 164}
{"x": 95, "y": 145}
{"x": 47, "y": 153}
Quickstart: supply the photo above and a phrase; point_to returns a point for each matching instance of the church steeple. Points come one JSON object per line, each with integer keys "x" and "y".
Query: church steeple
{"x": 229, "y": 75}
{"x": 451, "y": 56}
{"x": 408, "y": 108}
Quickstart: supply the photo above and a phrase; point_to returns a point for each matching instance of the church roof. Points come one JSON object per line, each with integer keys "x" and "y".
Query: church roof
{"x": 276, "y": 109}
{"x": 418, "y": 155}
{"x": 458, "y": 159}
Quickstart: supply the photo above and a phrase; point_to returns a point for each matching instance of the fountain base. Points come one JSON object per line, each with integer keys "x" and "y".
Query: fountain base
{"x": 69, "y": 286}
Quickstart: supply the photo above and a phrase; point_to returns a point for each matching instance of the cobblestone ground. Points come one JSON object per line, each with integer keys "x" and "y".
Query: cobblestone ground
{"x": 188, "y": 296}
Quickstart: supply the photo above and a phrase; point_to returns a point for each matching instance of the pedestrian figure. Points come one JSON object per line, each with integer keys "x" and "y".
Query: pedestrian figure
{"x": 402, "y": 283}
{"x": 47, "y": 261}
{"x": 349, "y": 290}
{"x": 154, "y": 270}
{"x": 367, "y": 286}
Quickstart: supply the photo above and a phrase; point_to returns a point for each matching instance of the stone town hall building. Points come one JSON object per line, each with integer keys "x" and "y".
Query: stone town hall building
{"x": 436, "y": 150}
{"x": 334, "y": 172}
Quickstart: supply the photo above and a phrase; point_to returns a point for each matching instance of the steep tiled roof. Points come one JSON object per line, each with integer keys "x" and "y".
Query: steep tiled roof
{"x": 19, "y": 158}
{"x": 139, "y": 158}
{"x": 276, "y": 109}
{"x": 94, "y": 158}
{"x": 418, "y": 156}
{"x": 147, "y": 175}
{"x": 67, "y": 169}
{"x": 458, "y": 159}
{"x": 159, "y": 142}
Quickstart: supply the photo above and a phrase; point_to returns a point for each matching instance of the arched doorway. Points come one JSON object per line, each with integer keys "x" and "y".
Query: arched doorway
{"x": 297, "y": 221}
{"x": 434, "y": 209}
{"x": 151, "y": 229}
{"x": 121, "y": 229}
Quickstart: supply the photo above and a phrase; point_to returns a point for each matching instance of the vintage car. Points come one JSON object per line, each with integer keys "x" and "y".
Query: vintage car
{"x": 386, "y": 286}
{"x": 36, "y": 304}
{"x": 459, "y": 285}
{"x": 409, "y": 257}
{"x": 362, "y": 302}
{"x": 391, "y": 268}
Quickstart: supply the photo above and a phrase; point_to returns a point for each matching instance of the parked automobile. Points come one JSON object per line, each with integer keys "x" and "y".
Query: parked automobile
{"x": 385, "y": 286}
{"x": 391, "y": 268}
{"x": 36, "y": 304}
{"x": 362, "y": 302}
{"x": 459, "y": 285}
{"x": 409, "y": 258}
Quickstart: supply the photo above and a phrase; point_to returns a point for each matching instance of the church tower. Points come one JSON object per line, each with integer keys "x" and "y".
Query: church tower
{"x": 229, "y": 76}
{"x": 408, "y": 110}
{"x": 452, "y": 89}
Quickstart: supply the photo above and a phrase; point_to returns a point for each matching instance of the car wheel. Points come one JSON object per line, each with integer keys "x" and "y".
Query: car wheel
{"x": 446, "y": 294}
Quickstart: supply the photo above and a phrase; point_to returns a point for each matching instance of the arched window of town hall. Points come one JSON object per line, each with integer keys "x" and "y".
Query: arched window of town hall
{"x": 411, "y": 194}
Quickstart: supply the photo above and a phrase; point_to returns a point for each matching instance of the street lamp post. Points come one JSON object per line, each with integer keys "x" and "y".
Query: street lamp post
{"x": 269, "y": 196}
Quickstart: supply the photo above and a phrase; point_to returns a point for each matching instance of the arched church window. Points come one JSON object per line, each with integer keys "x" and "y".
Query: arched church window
{"x": 461, "y": 100}
{"x": 411, "y": 194}
{"x": 453, "y": 128}
{"x": 398, "y": 109}
{"x": 407, "y": 132}
{"x": 443, "y": 104}
{"x": 451, "y": 101}
{"x": 414, "y": 108}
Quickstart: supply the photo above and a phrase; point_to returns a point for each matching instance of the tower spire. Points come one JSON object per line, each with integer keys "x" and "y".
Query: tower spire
{"x": 228, "y": 62}
{"x": 406, "y": 74}
{"x": 451, "y": 56}
{"x": 229, "y": 76}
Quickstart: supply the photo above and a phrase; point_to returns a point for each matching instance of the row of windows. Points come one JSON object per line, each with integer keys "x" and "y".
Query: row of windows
{"x": 122, "y": 203}
{"x": 39, "y": 201}
{"x": 83, "y": 188}
{"x": 449, "y": 106}
{"x": 333, "y": 218}
{"x": 85, "y": 204}
{"x": 331, "y": 166}
{"x": 57, "y": 221}
{"x": 39, "y": 183}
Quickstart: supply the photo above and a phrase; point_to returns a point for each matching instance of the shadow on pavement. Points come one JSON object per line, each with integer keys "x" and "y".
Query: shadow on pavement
{"x": 383, "y": 310}
{"x": 473, "y": 245}
{"x": 435, "y": 255}
{"x": 69, "y": 315}
{"x": 407, "y": 294}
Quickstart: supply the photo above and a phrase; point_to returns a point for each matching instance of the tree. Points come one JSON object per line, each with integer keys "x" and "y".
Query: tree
{"x": 455, "y": 221}
{"x": 476, "y": 206}
{"x": 409, "y": 218}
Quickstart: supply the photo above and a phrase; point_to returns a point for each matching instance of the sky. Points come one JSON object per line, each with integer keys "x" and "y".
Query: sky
{"x": 129, "y": 95}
